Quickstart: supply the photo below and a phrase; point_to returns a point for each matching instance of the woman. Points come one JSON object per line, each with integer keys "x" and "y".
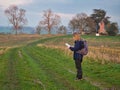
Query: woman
{"x": 76, "y": 56}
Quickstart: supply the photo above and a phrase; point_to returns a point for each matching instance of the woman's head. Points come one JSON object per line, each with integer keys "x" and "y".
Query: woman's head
{"x": 76, "y": 36}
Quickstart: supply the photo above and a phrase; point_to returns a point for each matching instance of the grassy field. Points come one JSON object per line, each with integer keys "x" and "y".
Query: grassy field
{"x": 44, "y": 63}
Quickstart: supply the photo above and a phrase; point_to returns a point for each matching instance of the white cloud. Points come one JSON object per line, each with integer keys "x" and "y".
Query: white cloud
{"x": 6, "y": 3}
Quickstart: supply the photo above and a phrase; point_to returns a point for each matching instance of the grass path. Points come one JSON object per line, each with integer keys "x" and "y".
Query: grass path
{"x": 57, "y": 68}
{"x": 34, "y": 70}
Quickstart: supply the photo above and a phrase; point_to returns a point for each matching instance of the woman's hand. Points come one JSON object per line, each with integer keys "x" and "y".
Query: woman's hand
{"x": 67, "y": 45}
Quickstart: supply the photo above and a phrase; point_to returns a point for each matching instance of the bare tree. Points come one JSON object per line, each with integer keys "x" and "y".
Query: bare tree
{"x": 38, "y": 29}
{"x": 16, "y": 17}
{"x": 78, "y": 22}
{"x": 62, "y": 29}
{"x": 50, "y": 20}
{"x": 72, "y": 24}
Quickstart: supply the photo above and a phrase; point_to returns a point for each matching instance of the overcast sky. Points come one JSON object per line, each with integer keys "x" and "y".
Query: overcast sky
{"x": 65, "y": 8}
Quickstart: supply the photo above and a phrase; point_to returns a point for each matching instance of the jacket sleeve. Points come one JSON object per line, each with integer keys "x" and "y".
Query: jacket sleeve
{"x": 76, "y": 47}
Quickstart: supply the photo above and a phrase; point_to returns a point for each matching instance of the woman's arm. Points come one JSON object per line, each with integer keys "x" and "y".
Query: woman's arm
{"x": 76, "y": 47}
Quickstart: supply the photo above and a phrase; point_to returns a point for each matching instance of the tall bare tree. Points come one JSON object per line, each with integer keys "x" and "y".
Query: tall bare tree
{"x": 16, "y": 17}
{"x": 50, "y": 20}
{"x": 78, "y": 22}
{"x": 72, "y": 24}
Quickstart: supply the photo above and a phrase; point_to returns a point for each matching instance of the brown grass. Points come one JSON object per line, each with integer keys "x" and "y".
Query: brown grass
{"x": 11, "y": 41}
{"x": 103, "y": 51}
{"x": 3, "y": 50}
{"x": 63, "y": 48}
{"x": 22, "y": 37}
{"x": 18, "y": 40}
{"x": 98, "y": 52}
{"x": 104, "y": 54}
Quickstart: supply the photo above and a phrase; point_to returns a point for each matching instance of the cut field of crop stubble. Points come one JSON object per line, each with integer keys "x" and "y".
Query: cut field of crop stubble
{"x": 99, "y": 50}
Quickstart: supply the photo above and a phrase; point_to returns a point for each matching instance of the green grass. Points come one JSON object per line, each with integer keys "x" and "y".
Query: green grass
{"x": 40, "y": 68}
{"x": 102, "y": 38}
{"x": 57, "y": 68}
{"x": 36, "y": 69}
{"x": 108, "y": 74}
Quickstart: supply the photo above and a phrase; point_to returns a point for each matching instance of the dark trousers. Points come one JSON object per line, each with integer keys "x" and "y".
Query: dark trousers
{"x": 79, "y": 68}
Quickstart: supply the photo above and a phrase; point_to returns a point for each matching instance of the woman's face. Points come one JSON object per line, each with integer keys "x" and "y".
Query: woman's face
{"x": 75, "y": 37}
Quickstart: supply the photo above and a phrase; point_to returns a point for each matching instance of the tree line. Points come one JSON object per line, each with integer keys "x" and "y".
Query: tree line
{"x": 81, "y": 22}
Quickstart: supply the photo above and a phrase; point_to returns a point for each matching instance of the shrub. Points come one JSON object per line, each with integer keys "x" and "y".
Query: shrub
{"x": 112, "y": 29}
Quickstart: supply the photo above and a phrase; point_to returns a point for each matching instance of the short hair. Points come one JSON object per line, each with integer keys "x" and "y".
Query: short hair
{"x": 75, "y": 33}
